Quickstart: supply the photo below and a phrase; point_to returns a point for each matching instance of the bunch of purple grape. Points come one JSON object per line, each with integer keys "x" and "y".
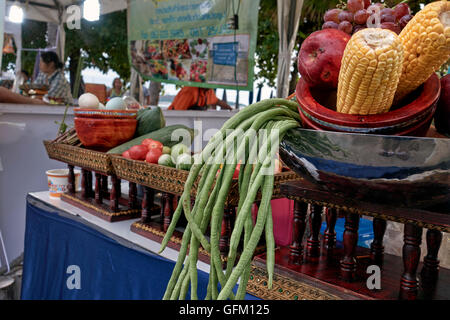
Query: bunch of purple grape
{"x": 361, "y": 14}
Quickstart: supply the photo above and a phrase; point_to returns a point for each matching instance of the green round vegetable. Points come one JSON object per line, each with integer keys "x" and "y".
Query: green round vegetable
{"x": 167, "y": 150}
{"x": 178, "y": 150}
{"x": 166, "y": 160}
{"x": 184, "y": 162}
{"x": 149, "y": 120}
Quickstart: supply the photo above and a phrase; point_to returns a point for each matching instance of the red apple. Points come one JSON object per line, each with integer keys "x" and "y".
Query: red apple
{"x": 319, "y": 59}
{"x": 442, "y": 115}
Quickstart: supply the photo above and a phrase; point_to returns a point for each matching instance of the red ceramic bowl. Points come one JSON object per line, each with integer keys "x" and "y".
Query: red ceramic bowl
{"x": 105, "y": 129}
{"x": 411, "y": 118}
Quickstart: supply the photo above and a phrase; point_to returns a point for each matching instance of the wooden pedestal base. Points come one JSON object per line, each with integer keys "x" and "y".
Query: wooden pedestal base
{"x": 102, "y": 210}
{"x": 322, "y": 280}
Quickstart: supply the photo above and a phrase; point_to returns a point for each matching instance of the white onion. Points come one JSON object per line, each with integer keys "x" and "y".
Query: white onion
{"x": 116, "y": 104}
{"x": 88, "y": 101}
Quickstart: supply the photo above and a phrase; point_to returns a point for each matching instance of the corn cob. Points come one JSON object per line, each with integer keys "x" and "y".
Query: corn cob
{"x": 426, "y": 41}
{"x": 370, "y": 71}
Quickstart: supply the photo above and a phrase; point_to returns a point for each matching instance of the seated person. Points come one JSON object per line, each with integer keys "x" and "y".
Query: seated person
{"x": 51, "y": 74}
{"x": 7, "y": 96}
{"x": 194, "y": 98}
{"x": 116, "y": 90}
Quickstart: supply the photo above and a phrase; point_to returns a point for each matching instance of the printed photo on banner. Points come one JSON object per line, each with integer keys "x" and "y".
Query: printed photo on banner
{"x": 228, "y": 59}
{"x": 192, "y": 43}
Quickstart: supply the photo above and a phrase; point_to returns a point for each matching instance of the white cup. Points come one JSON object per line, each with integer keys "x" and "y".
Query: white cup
{"x": 58, "y": 181}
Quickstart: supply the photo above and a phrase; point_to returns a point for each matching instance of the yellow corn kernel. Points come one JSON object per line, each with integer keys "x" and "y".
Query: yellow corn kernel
{"x": 368, "y": 86}
{"x": 426, "y": 42}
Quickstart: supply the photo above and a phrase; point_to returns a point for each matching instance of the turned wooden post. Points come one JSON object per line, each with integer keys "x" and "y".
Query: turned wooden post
{"x": 330, "y": 233}
{"x": 84, "y": 184}
{"x": 350, "y": 239}
{"x": 147, "y": 204}
{"x": 376, "y": 247}
{"x": 168, "y": 210}
{"x": 119, "y": 187}
{"x": 226, "y": 230}
{"x": 71, "y": 180}
{"x": 411, "y": 257}
{"x": 98, "y": 189}
{"x": 299, "y": 227}
{"x": 115, "y": 195}
{"x": 315, "y": 222}
{"x": 430, "y": 268}
{"x": 132, "y": 196}
{"x": 104, "y": 187}
{"x": 163, "y": 200}
{"x": 90, "y": 188}
{"x": 176, "y": 199}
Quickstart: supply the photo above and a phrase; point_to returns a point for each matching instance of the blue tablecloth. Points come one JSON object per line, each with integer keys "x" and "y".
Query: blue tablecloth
{"x": 58, "y": 248}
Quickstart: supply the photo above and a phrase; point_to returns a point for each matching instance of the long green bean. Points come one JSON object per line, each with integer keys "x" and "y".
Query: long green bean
{"x": 250, "y": 197}
{"x": 279, "y": 114}
{"x": 254, "y": 238}
{"x": 176, "y": 290}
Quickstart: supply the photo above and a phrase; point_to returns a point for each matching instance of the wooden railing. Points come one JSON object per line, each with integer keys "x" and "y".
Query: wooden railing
{"x": 307, "y": 195}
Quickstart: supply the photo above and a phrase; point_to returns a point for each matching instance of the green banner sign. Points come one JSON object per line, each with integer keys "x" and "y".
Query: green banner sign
{"x": 193, "y": 42}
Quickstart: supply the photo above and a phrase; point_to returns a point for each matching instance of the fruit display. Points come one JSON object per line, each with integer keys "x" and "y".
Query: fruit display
{"x": 371, "y": 68}
{"x": 158, "y": 146}
{"x": 320, "y": 55}
{"x": 163, "y": 135}
{"x": 151, "y": 151}
{"x": 391, "y": 53}
{"x": 356, "y": 15}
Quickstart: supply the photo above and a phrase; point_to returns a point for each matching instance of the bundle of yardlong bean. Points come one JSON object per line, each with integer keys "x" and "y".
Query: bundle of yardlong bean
{"x": 241, "y": 139}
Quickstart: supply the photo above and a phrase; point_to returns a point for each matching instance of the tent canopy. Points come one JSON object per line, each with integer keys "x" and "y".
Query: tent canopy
{"x": 54, "y": 10}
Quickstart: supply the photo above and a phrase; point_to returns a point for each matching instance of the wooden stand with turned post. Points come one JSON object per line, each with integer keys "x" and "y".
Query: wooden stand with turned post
{"x": 96, "y": 198}
{"x": 341, "y": 268}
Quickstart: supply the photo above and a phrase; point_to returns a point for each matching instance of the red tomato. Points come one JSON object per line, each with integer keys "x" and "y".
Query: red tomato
{"x": 146, "y": 142}
{"x": 151, "y": 144}
{"x": 153, "y": 155}
{"x": 126, "y": 154}
{"x": 138, "y": 152}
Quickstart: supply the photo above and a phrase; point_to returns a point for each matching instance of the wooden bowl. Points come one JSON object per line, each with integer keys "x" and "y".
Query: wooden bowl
{"x": 105, "y": 129}
{"x": 412, "y": 117}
